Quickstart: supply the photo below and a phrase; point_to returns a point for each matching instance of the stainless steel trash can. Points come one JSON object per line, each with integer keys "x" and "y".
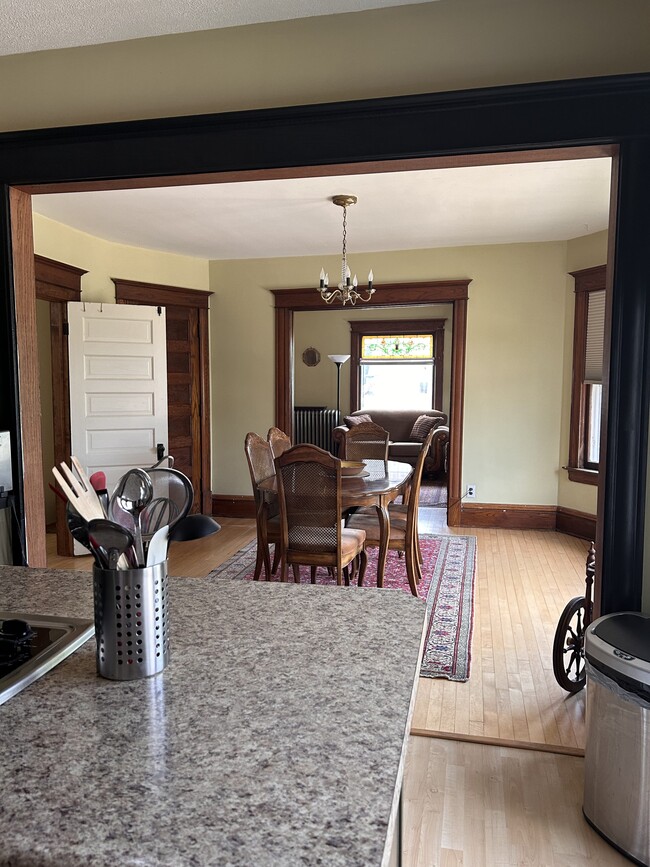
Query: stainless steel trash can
{"x": 617, "y": 753}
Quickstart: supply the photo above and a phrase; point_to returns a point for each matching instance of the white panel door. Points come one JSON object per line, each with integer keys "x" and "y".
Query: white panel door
{"x": 118, "y": 386}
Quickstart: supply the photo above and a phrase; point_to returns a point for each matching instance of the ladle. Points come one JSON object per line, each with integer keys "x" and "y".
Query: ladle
{"x": 133, "y": 494}
{"x": 111, "y": 537}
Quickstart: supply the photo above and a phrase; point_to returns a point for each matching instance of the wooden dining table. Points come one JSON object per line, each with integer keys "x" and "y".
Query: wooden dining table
{"x": 378, "y": 484}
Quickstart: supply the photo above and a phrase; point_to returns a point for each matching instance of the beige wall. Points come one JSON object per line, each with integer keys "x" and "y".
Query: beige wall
{"x": 515, "y": 357}
{"x": 329, "y": 332}
{"x": 446, "y": 45}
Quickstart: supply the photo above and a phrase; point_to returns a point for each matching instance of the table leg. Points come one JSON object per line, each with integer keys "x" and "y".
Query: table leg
{"x": 384, "y": 534}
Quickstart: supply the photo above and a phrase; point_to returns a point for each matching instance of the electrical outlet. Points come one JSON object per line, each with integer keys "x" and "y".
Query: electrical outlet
{"x": 471, "y": 492}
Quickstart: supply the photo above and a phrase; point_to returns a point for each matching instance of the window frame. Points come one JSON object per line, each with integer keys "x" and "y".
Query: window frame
{"x": 407, "y": 327}
{"x": 586, "y": 281}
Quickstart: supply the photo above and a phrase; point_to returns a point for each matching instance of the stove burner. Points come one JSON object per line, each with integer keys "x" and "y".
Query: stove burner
{"x": 15, "y": 643}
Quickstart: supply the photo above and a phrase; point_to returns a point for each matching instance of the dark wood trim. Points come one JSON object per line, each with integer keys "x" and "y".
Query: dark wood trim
{"x": 585, "y": 477}
{"x": 587, "y": 280}
{"x": 426, "y": 292}
{"x": 317, "y": 171}
{"x": 58, "y": 283}
{"x": 360, "y": 328}
{"x": 52, "y": 276}
{"x": 137, "y": 292}
{"x": 232, "y": 506}
{"x": 508, "y": 516}
{"x": 197, "y": 300}
{"x": 386, "y": 295}
{"x": 575, "y": 523}
{"x": 456, "y": 411}
{"x": 32, "y": 513}
{"x": 487, "y": 123}
{"x": 284, "y": 385}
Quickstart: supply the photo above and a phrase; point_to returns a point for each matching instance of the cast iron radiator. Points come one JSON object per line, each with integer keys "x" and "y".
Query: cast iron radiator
{"x": 314, "y": 424}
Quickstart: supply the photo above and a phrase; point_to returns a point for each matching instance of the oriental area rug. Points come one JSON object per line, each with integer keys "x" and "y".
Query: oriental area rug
{"x": 447, "y": 589}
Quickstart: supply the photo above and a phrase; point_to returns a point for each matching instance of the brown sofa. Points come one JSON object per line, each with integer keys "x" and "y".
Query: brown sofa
{"x": 399, "y": 423}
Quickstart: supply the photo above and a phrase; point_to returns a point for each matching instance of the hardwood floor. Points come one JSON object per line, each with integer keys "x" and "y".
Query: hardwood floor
{"x": 524, "y": 578}
{"x": 483, "y": 806}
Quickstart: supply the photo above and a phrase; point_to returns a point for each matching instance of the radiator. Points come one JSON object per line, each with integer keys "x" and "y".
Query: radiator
{"x": 314, "y": 426}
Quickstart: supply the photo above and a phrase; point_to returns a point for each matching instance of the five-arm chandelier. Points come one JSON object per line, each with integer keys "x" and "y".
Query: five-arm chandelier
{"x": 347, "y": 288}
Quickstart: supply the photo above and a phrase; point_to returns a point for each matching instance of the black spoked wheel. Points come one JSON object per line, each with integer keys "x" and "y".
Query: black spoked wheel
{"x": 568, "y": 646}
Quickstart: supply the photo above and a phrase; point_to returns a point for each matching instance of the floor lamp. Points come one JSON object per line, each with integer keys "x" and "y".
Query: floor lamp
{"x": 338, "y": 360}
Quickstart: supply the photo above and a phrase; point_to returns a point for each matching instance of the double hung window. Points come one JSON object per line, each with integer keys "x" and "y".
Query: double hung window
{"x": 587, "y": 388}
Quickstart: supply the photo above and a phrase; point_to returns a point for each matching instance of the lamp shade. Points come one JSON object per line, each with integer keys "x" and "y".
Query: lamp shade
{"x": 338, "y": 359}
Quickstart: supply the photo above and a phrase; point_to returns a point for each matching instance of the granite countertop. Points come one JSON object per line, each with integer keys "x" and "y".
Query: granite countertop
{"x": 276, "y": 735}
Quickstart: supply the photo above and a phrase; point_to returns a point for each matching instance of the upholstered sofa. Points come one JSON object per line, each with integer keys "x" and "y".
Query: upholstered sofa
{"x": 399, "y": 424}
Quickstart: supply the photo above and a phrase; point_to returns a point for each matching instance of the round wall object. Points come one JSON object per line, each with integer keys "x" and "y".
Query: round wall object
{"x": 311, "y": 356}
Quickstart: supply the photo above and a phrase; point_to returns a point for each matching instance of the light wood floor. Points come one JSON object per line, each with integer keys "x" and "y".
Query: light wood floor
{"x": 524, "y": 579}
{"x": 483, "y": 806}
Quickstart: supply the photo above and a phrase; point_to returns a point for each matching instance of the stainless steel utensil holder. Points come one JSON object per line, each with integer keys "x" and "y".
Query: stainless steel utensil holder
{"x": 131, "y": 621}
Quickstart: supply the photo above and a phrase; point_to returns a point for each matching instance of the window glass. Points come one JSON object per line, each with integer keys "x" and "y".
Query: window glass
{"x": 592, "y": 439}
{"x": 404, "y": 385}
{"x": 397, "y": 346}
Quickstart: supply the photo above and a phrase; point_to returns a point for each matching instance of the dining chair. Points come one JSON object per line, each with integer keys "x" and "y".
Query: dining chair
{"x": 278, "y": 440}
{"x": 267, "y": 512}
{"x": 309, "y": 490}
{"x": 366, "y": 441}
{"x": 403, "y": 520}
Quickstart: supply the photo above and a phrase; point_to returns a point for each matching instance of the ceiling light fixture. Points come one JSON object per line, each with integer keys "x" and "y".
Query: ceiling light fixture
{"x": 347, "y": 288}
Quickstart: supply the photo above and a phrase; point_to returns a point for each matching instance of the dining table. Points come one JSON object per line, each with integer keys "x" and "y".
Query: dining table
{"x": 377, "y": 484}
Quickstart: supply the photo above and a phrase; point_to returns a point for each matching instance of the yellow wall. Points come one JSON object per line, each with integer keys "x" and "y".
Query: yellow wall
{"x": 515, "y": 356}
{"x": 329, "y": 332}
{"x": 446, "y": 45}
{"x": 105, "y": 259}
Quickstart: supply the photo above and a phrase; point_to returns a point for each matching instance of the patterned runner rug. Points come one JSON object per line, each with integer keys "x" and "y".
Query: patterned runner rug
{"x": 447, "y": 587}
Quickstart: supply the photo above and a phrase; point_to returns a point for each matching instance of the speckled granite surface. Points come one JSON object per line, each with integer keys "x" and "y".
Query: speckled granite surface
{"x": 274, "y": 737}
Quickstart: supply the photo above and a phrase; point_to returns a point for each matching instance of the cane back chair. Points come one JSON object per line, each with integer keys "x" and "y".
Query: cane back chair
{"x": 267, "y": 510}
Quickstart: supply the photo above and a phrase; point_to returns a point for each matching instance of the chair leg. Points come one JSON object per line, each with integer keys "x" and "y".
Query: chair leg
{"x": 363, "y": 562}
{"x": 296, "y": 573}
{"x": 313, "y": 574}
{"x": 346, "y": 575}
{"x": 276, "y": 558}
{"x": 259, "y": 561}
{"x": 411, "y": 569}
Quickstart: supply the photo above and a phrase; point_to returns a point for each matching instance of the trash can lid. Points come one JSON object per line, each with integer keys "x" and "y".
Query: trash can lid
{"x": 629, "y": 632}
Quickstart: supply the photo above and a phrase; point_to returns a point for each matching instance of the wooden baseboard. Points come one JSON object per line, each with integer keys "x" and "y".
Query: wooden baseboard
{"x": 575, "y": 523}
{"x": 233, "y": 506}
{"x": 508, "y": 516}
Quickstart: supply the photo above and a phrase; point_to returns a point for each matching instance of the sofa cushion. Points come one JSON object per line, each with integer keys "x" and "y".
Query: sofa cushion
{"x": 352, "y": 420}
{"x": 422, "y": 426}
{"x": 397, "y": 451}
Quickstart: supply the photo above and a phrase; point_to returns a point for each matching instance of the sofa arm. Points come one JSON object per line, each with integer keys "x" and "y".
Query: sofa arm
{"x": 436, "y": 461}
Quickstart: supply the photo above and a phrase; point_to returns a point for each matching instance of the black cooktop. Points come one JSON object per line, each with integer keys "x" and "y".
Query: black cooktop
{"x": 21, "y": 641}
{"x": 32, "y": 644}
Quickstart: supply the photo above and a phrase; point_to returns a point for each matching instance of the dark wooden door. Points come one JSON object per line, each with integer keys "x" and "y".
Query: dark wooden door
{"x": 188, "y": 396}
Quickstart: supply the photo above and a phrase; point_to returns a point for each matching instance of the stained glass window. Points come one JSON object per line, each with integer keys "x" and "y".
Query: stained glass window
{"x": 394, "y": 347}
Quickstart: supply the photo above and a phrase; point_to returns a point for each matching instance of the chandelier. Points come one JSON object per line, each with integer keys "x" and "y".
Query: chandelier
{"x": 347, "y": 289}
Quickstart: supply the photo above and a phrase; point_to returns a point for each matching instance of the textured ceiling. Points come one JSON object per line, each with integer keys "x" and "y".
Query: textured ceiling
{"x": 37, "y": 25}
{"x": 546, "y": 201}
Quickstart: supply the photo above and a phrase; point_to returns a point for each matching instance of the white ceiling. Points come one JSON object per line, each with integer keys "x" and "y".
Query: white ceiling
{"x": 36, "y": 25}
{"x": 448, "y": 207}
